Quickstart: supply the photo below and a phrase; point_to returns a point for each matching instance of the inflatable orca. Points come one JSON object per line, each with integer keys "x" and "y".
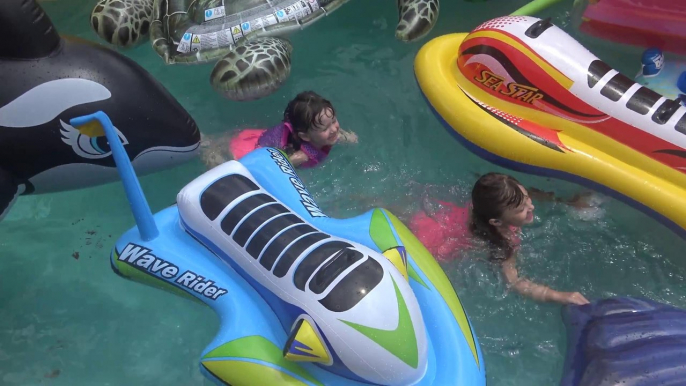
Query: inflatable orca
{"x": 47, "y": 80}
{"x": 624, "y": 341}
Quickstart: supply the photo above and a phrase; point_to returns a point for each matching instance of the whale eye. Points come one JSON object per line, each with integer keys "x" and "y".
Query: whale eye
{"x": 102, "y": 146}
{"x": 89, "y": 140}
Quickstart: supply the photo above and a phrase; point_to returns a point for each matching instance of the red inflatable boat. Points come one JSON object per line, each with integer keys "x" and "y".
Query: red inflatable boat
{"x": 645, "y": 23}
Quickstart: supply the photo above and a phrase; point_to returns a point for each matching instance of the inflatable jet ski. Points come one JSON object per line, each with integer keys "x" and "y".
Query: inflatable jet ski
{"x": 522, "y": 93}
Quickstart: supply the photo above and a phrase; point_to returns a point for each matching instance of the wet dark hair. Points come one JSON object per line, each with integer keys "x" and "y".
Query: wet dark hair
{"x": 303, "y": 113}
{"x": 493, "y": 193}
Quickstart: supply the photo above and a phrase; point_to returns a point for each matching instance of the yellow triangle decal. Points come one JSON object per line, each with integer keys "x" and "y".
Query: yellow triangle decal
{"x": 304, "y": 345}
{"x": 398, "y": 256}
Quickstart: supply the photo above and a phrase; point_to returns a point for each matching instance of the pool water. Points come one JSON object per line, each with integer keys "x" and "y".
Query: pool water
{"x": 66, "y": 319}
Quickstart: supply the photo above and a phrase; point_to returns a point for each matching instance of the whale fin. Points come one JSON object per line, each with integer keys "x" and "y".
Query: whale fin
{"x": 8, "y": 192}
{"x": 32, "y": 33}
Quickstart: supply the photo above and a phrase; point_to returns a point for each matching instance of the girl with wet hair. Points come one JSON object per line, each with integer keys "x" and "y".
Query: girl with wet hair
{"x": 499, "y": 207}
{"x": 307, "y": 133}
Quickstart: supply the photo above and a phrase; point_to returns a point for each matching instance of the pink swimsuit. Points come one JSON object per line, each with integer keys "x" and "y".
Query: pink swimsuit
{"x": 250, "y": 139}
{"x": 447, "y": 232}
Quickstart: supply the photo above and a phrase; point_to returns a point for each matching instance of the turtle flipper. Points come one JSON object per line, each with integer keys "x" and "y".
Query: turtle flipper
{"x": 123, "y": 23}
{"x": 416, "y": 18}
{"x": 254, "y": 69}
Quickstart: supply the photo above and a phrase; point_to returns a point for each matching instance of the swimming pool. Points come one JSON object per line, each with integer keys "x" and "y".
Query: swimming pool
{"x": 66, "y": 319}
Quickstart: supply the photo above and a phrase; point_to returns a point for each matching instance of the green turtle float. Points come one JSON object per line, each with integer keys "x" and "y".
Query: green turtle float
{"x": 245, "y": 37}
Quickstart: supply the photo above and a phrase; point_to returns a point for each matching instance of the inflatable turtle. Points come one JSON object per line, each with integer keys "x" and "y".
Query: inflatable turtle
{"x": 245, "y": 36}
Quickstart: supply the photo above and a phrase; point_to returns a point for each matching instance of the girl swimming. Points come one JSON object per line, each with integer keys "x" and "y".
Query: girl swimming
{"x": 307, "y": 133}
{"x": 500, "y": 206}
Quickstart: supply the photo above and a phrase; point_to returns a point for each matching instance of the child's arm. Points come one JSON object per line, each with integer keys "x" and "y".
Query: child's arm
{"x": 578, "y": 201}
{"x": 346, "y": 136}
{"x": 537, "y": 291}
{"x": 212, "y": 151}
{"x": 298, "y": 158}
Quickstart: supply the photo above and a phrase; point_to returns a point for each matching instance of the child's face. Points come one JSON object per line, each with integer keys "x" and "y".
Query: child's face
{"x": 521, "y": 215}
{"x": 325, "y": 133}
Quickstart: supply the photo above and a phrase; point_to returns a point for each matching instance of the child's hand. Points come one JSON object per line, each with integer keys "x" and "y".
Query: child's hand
{"x": 538, "y": 194}
{"x": 347, "y": 136}
{"x": 211, "y": 151}
{"x": 582, "y": 200}
{"x": 298, "y": 158}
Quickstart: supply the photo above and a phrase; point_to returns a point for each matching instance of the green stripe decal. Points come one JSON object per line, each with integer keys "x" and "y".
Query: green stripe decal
{"x": 435, "y": 274}
{"x": 259, "y": 348}
{"x": 401, "y": 341}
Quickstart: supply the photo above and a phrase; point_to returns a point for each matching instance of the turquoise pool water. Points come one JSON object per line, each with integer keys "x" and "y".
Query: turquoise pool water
{"x": 66, "y": 319}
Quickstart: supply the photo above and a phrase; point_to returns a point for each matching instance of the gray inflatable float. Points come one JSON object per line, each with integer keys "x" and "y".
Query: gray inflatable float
{"x": 625, "y": 341}
{"x": 245, "y": 37}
